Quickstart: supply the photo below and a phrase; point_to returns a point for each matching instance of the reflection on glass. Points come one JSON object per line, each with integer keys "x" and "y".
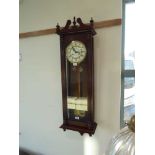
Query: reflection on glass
{"x": 129, "y": 97}
{"x": 77, "y": 103}
{"x": 77, "y": 100}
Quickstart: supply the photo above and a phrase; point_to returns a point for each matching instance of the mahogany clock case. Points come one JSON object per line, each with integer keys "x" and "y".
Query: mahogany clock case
{"x": 77, "y": 78}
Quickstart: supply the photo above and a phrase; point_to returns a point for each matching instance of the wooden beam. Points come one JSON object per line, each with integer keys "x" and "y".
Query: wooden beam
{"x": 101, "y": 24}
{"x": 37, "y": 33}
{"x": 107, "y": 23}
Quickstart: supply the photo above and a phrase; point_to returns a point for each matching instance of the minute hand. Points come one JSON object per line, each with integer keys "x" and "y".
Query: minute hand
{"x": 74, "y": 50}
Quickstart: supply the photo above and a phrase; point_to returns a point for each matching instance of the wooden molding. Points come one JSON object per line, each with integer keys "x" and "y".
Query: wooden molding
{"x": 107, "y": 23}
{"x": 37, "y": 33}
{"x": 101, "y": 24}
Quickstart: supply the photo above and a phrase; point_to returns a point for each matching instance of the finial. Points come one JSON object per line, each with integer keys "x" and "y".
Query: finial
{"x": 91, "y": 21}
{"x": 74, "y": 22}
{"x": 57, "y": 28}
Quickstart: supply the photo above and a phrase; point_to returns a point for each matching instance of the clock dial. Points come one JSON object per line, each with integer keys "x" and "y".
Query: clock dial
{"x": 76, "y": 52}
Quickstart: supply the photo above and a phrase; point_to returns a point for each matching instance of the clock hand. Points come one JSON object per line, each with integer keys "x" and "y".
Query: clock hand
{"x": 74, "y": 50}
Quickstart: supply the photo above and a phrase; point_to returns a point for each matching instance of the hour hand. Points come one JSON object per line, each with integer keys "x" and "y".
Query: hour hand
{"x": 74, "y": 50}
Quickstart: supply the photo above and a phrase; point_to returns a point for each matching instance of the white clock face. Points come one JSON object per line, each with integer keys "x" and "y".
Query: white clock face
{"x": 76, "y": 52}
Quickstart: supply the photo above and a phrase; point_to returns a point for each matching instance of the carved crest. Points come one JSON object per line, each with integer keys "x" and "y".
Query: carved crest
{"x": 76, "y": 25}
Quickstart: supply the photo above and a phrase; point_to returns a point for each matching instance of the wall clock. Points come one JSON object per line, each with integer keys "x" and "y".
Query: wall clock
{"x": 77, "y": 75}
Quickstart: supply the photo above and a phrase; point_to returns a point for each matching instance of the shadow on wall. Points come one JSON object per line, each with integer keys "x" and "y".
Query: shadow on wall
{"x": 27, "y": 152}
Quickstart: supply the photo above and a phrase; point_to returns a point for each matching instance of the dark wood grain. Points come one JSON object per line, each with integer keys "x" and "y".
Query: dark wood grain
{"x": 70, "y": 80}
{"x": 81, "y": 130}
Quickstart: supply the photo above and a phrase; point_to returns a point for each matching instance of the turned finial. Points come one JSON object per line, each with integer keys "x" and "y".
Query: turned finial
{"x": 92, "y": 21}
{"x": 57, "y": 27}
{"x": 74, "y": 22}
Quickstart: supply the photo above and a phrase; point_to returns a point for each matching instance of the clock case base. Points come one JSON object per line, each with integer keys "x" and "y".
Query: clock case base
{"x": 81, "y": 130}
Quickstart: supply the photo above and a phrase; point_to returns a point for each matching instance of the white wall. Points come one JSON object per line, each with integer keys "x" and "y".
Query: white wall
{"x": 40, "y": 77}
